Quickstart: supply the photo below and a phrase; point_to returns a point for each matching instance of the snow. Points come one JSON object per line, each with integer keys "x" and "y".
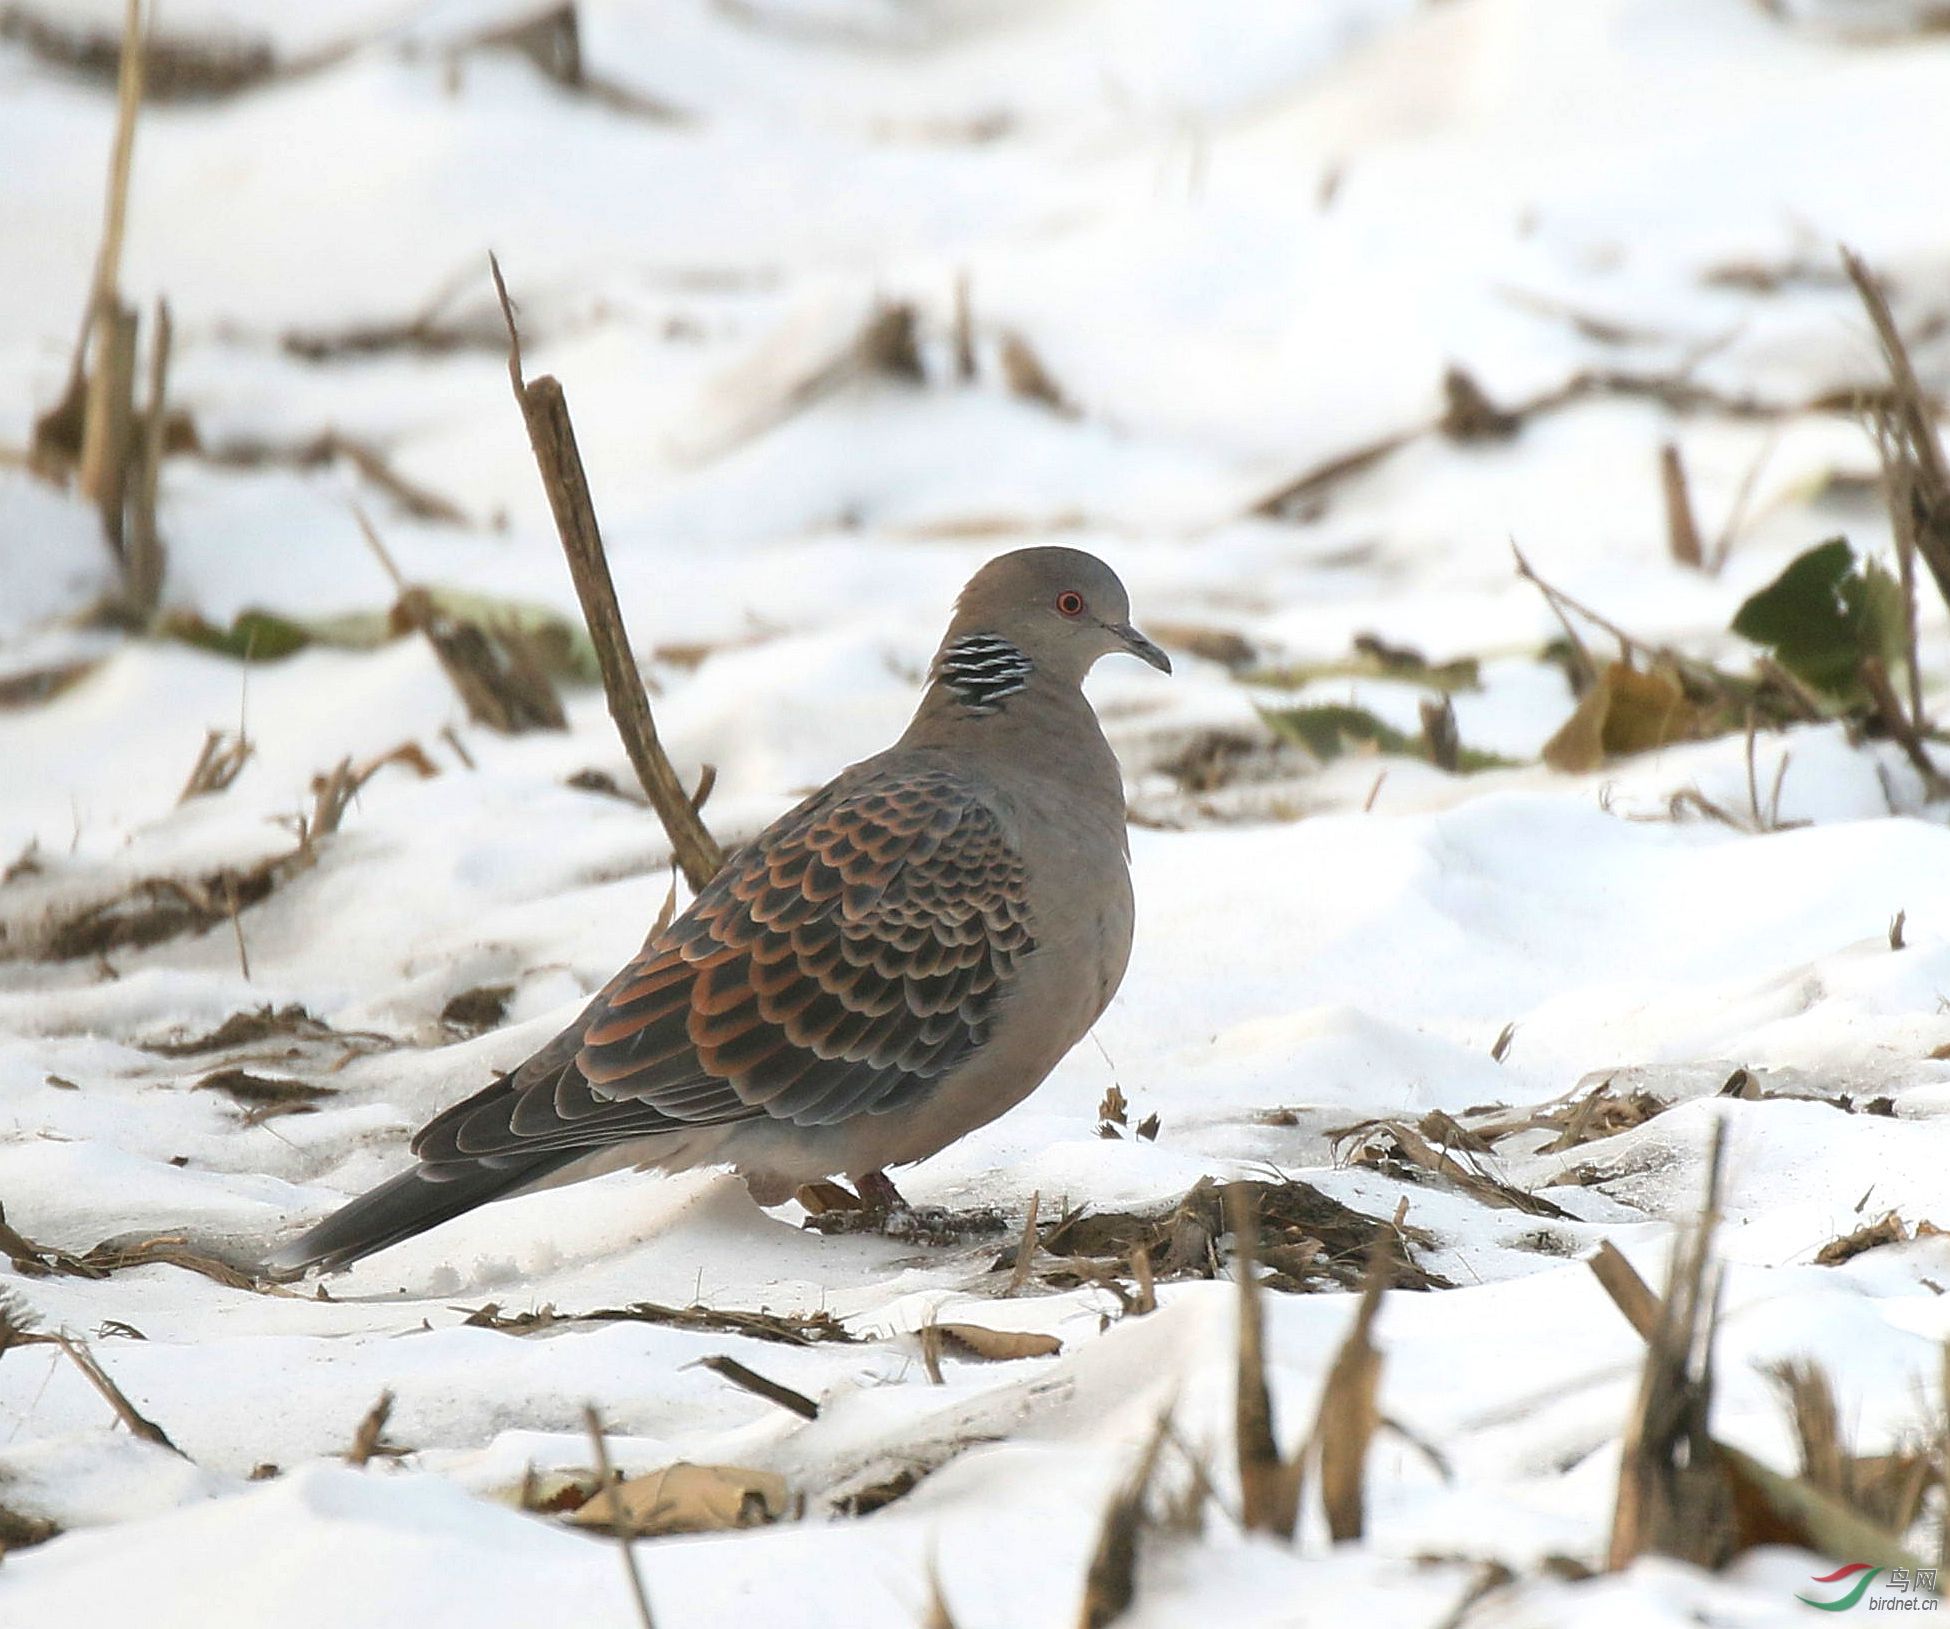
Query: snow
{"x": 1246, "y": 240}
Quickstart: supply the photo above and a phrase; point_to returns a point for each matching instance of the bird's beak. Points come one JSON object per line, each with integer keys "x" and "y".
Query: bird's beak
{"x": 1140, "y": 647}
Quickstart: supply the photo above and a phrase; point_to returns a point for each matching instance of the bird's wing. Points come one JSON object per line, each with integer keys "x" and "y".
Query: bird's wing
{"x": 851, "y": 956}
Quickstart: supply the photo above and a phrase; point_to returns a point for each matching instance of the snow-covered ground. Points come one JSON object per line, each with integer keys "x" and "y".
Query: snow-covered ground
{"x": 1245, "y": 240}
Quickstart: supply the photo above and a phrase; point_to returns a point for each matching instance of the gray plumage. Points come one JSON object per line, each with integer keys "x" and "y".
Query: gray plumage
{"x": 894, "y": 962}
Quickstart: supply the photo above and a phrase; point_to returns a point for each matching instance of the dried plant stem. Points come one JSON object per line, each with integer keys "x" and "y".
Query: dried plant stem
{"x": 607, "y": 1480}
{"x": 1269, "y": 1487}
{"x": 109, "y": 328}
{"x": 495, "y": 671}
{"x": 143, "y": 556}
{"x": 1674, "y": 1496}
{"x": 1587, "y": 666}
{"x": 1914, "y": 431}
{"x": 372, "y": 1430}
{"x": 1350, "y": 1411}
{"x": 1026, "y": 1250}
{"x": 1110, "y": 1585}
{"x": 108, "y": 418}
{"x": 237, "y": 927}
{"x": 1943, "y": 1458}
{"x": 115, "y": 206}
{"x": 1630, "y": 1293}
{"x": 1737, "y": 514}
{"x": 752, "y": 1381}
{"x": 964, "y": 330}
{"x": 1682, "y": 530}
{"x": 138, "y": 1423}
{"x": 1875, "y": 679}
{"x": 551, "y": 434}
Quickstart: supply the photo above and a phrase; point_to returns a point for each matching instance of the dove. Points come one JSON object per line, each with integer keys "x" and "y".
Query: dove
{"x": 893, "y": 963}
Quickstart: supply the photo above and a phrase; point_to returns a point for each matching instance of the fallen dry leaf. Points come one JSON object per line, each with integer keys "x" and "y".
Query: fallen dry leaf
{"x": 1626, "y": 711}
{"x": 997, "y": 1345}
{"x": 686, "y": 1498}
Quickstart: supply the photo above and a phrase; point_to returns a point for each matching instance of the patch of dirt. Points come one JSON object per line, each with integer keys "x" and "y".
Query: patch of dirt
{"x": 474, "y": 1012}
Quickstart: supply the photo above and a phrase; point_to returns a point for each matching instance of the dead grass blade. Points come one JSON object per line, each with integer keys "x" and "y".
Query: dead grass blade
{"x": 1110, "y": 1583}
{"x": 154, "y": 909}
{"x": 936, "y": 1614}
{"x": 368, "y": 1439}
{"x": 1682, "y": 530}
{"x": 1382, "y": 1143}
{"x": 1269, "y": 1486}
{"x": 1897, "y": 724}
{"x": 1841, "y": 1505}
{"x": 1914, "y": 469}
{"x": 1306, "y": 1240}
{"x": 1025, "y": 1251}
{"x": 752, "y": 1381}
{"x": 1598, "y": 1114}
{"x": 495, "y": 671}
{"x": 1026, "y": 376}
{"x": 500, "y": 678}
{"x": 1674, "y": 1496}
{"x": 1349, "y": 1413}
{"x": 551, "y": 434}
{"x": 1630, "y": 1293}
{"x": 333, "y": 447}
{"x": 109, "y": 391}
{"x": 139, "y": 1424}
{"x": 33, "y": 1260}
{"x": 220, "y": 762}
{"x": 1469, "y": 415}
{"x": 142, "y": 573}
{"x": 18, "y": 1321}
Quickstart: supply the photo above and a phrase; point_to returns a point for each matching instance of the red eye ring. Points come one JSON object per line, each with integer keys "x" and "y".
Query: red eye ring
{"x": 1070, "y": 603}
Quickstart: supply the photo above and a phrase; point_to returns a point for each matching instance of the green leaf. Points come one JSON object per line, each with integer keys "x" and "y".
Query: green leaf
{"x": 561, "y": 644}
{"x": 1331, "y": 728}
{"x": 1824, "y": 614}
{"x": 257, "y": 636}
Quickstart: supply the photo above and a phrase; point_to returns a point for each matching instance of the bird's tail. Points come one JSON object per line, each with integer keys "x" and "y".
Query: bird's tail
{"x": 415, "y": 1200}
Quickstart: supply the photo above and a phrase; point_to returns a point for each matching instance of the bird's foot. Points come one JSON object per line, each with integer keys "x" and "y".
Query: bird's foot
{"x": 879, "y": 1208}
{"x": 877, "y": 1192}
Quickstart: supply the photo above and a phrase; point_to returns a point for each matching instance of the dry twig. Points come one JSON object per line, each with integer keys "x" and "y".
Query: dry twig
{"x": 545, "y": 410}
{"x": 593, "y": 1421}
{"x": 752, "y": 1381}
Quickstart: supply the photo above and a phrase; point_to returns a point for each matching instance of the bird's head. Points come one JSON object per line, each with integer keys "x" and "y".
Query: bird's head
{"x": 1057, "y": 609}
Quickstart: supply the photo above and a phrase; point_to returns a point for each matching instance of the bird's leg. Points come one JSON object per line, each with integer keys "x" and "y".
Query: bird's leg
{"x": 882, "y": 1209}
{"x": 878, "y": 1193}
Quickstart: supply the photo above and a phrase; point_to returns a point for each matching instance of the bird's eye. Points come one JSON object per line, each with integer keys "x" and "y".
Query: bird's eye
{"x": 1070, "y": 603}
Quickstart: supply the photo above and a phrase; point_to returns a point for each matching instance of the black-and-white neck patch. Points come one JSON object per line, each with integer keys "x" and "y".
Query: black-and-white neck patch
{"x": 983, "y": 670}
